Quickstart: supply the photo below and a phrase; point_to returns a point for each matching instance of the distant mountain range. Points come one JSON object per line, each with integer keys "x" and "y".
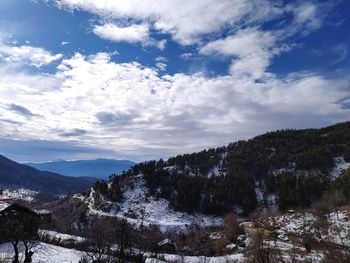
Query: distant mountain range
{"x": 15, "y": 175}
{"x": 99, "y": 168}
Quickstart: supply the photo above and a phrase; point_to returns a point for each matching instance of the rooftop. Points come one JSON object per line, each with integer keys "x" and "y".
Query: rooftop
{"x": 4, "y": 205}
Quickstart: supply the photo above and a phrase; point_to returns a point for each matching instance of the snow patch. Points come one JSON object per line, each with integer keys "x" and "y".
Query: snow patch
{"x": 138, "y": 202}
{"x": 259, "y": 193}
{"x": 340, "y": 166}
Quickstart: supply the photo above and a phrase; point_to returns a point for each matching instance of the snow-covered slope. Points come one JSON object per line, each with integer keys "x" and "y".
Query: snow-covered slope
{"x": 137, "y": 201}
{"x": 19, "y": 194}
{"x": 338, "y": 226}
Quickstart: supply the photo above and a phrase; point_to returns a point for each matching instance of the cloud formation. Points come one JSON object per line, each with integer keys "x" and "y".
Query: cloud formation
{"x": 141, "y": 110}
{"x": 189, "y": 21}
{"x": 251, "y": 47}
{"x": 186, "y": 21}
{"x": 132, "y": 108}
{"x": 33, "y": 56}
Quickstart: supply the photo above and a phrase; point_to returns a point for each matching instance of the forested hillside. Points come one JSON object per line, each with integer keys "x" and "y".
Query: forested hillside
{"x": 285, "y": 168}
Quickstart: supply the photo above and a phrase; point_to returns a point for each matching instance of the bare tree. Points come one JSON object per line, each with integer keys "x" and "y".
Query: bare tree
{"x": 141, "y": 238}
{"x": 231, "y": 227}
{"x": 21, "y": 225}
{"x": 123, "y": 234}
{"x": 98, "y": 242}
{"x": 259, "y": 251}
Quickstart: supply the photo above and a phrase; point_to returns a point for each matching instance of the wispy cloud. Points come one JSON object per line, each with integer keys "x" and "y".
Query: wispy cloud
{"x": 341, "y": 52}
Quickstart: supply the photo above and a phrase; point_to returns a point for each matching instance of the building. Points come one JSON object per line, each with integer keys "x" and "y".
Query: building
{"x": 167, "y": 245}
{"x": 45, "y": 216}
{"x": 17, "y": 222}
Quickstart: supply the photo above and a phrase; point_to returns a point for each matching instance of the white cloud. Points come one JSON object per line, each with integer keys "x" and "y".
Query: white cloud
{"x": 135, "y": 33}
{"x": 33, "y": 56}
{"x": 187, "y": 21}
{"x": 203, "y": 22}
{"x": 161, "y": 66}
{"x": 144, "y": 111}
{"x": 161, "y": 63}
{"x": 131, "y": 34}
{"x": 307, "y": 16}
{"x": 135, "y": 109}
{"x": 252, "y": 48}
{"x": 187, "y": 56}
{"x": 161, "y": 59}
{"x": 243, "y": 43}
{"x": 341, "y": 51}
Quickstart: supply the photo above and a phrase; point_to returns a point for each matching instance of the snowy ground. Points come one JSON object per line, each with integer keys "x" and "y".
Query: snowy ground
{"x": 292, "y": 253}
{"x": 286, "y": 224}
{"x": 157, "y": 211}
{"x": 59, "y": 236}
{"x": 43, "y": 253}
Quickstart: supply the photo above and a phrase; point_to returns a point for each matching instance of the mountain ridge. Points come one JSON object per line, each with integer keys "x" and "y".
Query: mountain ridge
{"x": 16, "y": 175}
{"x": 100, "y": 168}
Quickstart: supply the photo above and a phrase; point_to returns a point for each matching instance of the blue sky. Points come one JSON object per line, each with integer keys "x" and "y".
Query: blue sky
{"x": 148, "y": 79}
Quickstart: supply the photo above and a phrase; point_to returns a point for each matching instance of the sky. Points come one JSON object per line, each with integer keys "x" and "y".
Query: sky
{"x": 140, "y": 80}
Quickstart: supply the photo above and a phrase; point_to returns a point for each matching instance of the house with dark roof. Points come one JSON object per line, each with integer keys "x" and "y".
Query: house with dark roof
{"x": 45, "y": 216}
{"x": 167, "y": 245}
{"x": 17, "y": 222}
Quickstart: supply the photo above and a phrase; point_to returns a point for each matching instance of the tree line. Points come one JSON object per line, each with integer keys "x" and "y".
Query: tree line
{"x": 294, "y": 165}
